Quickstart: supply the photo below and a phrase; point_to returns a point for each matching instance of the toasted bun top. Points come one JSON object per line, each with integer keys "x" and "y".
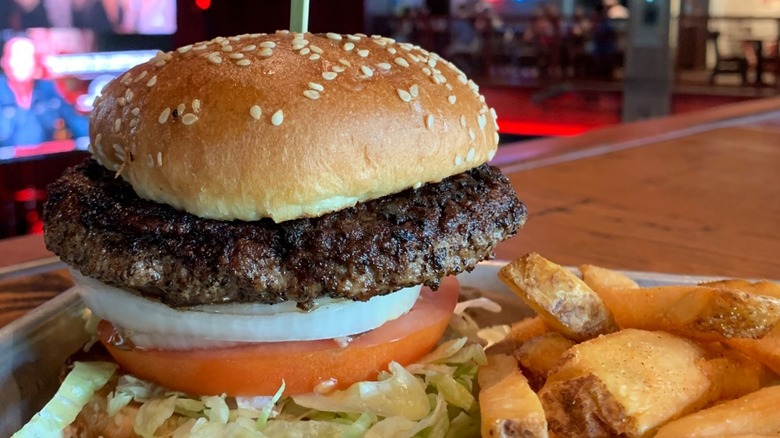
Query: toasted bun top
{"x": 289, "y": 125}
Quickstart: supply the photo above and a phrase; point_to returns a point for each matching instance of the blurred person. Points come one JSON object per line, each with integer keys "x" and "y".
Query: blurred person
{"x": 23, "y": 14}
{"x": 32, "y": 111}
{"x": 605, "y": 45}
{"x": 614, "y": 10}
{"x": 577, "y": 37}
{"x": 102, "y": 16}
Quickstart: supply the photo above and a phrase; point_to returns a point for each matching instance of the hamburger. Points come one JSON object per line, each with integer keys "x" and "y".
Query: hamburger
{"x": 277, "y": 214}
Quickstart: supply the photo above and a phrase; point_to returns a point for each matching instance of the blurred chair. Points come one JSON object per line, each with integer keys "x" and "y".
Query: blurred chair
{"x": 733, "y": 64}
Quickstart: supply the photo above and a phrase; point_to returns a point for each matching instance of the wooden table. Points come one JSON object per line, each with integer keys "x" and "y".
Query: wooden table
{"x": 692, "y": 194}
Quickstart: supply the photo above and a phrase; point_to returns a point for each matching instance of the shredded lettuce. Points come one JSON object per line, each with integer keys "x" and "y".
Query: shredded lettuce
{"x": 75, "y": 392}
{"x": 433, "y": 398}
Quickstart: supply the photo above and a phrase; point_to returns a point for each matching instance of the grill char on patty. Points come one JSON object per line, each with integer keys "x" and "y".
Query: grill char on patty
{"x": 97, "y": 224}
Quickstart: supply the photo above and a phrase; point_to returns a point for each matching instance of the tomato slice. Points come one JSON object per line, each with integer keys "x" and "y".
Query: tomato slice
{"x": 259, "y": 368}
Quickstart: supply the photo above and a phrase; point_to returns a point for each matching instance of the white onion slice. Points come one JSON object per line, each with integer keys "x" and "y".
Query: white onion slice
{"x": 330, "y": 318}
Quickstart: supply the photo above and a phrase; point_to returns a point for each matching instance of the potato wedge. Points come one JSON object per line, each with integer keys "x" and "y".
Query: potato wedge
{"x": 538, "y": 356}
{"x": 701, "y": 312}
{"x": 519, "y": 332}
{"x": 765, "y": 350}
{"x": 599, "y": 278}
{"x": 564, "y": 301}
{"x": 732, "y": 373}
{"x": 626, "y": 383}
{"x": 508, "y": 406}
{"x": 759, "y": 287}
{"x": 753, "y": 414}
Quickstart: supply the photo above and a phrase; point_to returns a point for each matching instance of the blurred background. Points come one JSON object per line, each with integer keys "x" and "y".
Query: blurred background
{"x": 549, "y": 67}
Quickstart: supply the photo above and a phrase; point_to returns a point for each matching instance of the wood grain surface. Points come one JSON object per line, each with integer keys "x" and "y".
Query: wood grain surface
{"x": 706, "y": 204}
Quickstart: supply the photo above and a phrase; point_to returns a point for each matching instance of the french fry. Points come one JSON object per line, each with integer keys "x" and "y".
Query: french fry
{"x": 753, "y": 414}
{"x": 766, "y": 349}
{"x": 539, "y": 355}
{"x": 732, "y": 373}
{"x": 701, "y": 312}
{"x": 508, "y": 406}
{"x": 519, "y": 332}
{"x": 759, "y": 287}
{"x": 564, "y": 301}
{"x": 626, "y": 383}
{"x": 599, "y": 278}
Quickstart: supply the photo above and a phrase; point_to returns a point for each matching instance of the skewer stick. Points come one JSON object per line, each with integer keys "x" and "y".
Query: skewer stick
{"x": 299, "y": 16}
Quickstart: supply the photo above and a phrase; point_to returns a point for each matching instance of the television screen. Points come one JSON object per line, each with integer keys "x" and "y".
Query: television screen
{"x": 148, "y": 17}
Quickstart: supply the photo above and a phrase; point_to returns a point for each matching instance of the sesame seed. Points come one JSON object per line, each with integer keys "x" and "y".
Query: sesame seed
{"x": 458, "y": 160}
{"x": 180, "y": 109}
{"x": 367, "y": 71}
{"x": 429, "y": 121}
{"x": 149, "y": 160}
{"x": 427, "y": 71}
{"x": 417, "y": 185}
{"x": 236, "y": 55}
{"x": 196, "y": 105}
{"x": 353, "y": 37}
{"x": 159, "y": 63}
{"x": 277, "y": 118}
{"x": 471, "y": 155}
{"x": 314, "y": 56}
{"x": 126, "y": 78}
{"x": 495, "y": 138}
{"x": 128, "y": 95}
{"x": 414, "y": 90}
{"x": 360, "y": 34}
{"x": 413, "y": 57}
{"x": 380, "y": 42}
{"x": 463, "y": 121}
{"x": 164, "y": 115}
{"x": 256, "y": 112}
{"x": 384, "y": 66}
{"x": 338, "y": 68}
{"x": 248, "y": 48}
{"x": 362, "y": 53}
{"x": 462, "y": 78}
{"x": 316, "y": 86}
{"x": 316, "y": 49}
{"x": 329, "y": 75}
{"x": 482, "y": 98}
{"x": 402, "y": 62}
{"x": 152, "y": 81}
{"x": 189, "y": 119}
{"x": 243, "y": 62}
{"x": 268, "y": 44}
{"x": 312, "y": 94}
{"x": 283, "y": 31}
{"x": 219, "y": 39}
{"x": 200, "y": 47}
{"x": 266, "y": 52}
{"x": 159, "y": 158}
{"x": 227, "y": 48}
{"x": 97, "y": 139}
{"x": 492, "y": 152}
{"x": 333, "y": 36}
{"x": 304, "y": 51}
{"x": 133, "y": 122}
{"x": 234, "y": 38}
{"x": 472, "y": 136}
{"x": 437, "y": 79}
{"x": 117, "y": 124}
{"x": 214, "y": 58}
{"x": 135, "y": 111}
{"x": 391, "y": 50}
{"x": 121, "y": 101}
{"x": 345, "y": 63}
{"x": 493, "y": 113}
{"x": 297, "y": 36}
{"x": 184, "y": 49}
{"x": 404, "y": 95}
{"x": 452, "y": 99}
{"x": 140, "y": 77}
{"x": 481, "y": 121}
{"x": 348, "y": 46}
{"x": 406, "y": 46}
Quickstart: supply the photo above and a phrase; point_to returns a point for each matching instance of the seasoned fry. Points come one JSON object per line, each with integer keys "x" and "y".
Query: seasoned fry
{"x": 508, "y": 406}
{"x": 539, "y": 355}
{"x": 766, "y": 349}
{"x": 565, "y": 302}
{"x": 701, "y": 312}
{"x": 519, "y": 332}
{"x": 599, "y": 278}
{"x": 628, "y": 383}
{"x": 753, "y": 414}
{"x": 759, "y": 288}
{"x": 732, "y": 373}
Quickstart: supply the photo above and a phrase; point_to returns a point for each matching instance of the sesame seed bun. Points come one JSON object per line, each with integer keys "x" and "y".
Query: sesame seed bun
{"x": 285, "y": 126}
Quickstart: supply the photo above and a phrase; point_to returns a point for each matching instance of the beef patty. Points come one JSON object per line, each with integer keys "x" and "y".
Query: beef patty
{"x": 97, "y": 224}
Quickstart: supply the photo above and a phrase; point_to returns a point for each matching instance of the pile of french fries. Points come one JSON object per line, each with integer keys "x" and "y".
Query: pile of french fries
{"x": 607, "y": 358}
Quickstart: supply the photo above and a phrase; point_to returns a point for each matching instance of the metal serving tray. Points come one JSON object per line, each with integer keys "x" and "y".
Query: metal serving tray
{"x": 34, "y": 347}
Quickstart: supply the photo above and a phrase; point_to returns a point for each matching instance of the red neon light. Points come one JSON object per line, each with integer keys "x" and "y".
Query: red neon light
{"x": 203, "y": 4}
{"x": 541, "y": 129}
